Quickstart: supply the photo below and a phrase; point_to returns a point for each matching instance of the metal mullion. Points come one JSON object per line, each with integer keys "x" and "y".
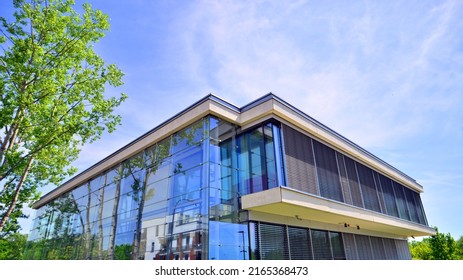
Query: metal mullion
{"x": 378, "y": 187}
{"x": 317, "y": 181}
{"x": 371, "y": 247}
{"x": 347, "y": 177}
{"x": 359, "y": 184}
{"x": 331, "y": 246}
{"x": 311, "y": 244}
{"x": 422, "y": 210}
{"x": 278, "y": 146}
{"x": 287, "y": 241}
{"x": 395, "y": 198}
{"x": 339, "y": 176}
{"x": 355, "y": 247}
{"x": 406, "y": 202}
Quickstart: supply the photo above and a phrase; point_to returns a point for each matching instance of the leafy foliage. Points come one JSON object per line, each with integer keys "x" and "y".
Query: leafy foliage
{"x": 12, "y": 247}
{"x": 52, "y": 86}
{"x": 438, "y": 247}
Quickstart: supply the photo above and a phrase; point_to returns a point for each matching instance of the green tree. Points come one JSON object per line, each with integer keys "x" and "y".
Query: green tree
{"x": 52, "y": 101}
{"x": 443, "y": 246}
{"x": 438, "y": 247}
{"x": 12, "y": 247}
{"x": 420, "y": 250}
{"x": 460, "y": 247}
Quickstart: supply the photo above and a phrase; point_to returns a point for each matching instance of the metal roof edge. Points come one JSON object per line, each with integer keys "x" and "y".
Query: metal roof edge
{"x": 327, "y": 129}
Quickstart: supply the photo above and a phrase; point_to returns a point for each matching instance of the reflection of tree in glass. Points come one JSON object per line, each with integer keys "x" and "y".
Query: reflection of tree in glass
{"x": 112, "y": 235}
{"x": 62, "y": 243}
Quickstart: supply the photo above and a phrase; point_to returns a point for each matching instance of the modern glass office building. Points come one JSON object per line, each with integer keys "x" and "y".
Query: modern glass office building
{"x": 264, "y": 181}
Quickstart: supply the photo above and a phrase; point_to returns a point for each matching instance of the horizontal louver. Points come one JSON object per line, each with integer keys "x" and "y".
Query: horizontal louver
{"x": 273, "y": 242}
{"x": 327, "y": 170}
{"x": 367, "y": 184}
{"x": 390, "y": 249}
{"x": 300, "y": 244}
{"x": 316, "y": 168}
{"x": 321, "y": 245}
{"x": 389, "y": 197}
{"x": 363, "y": 247}
{"x": 378, "y": 248}
{"x": 349, "y": 246}
{"x": 300, "y": 168}
{"x": 401, "y": 201}
{"x": 344, "y": 180}
{"x": 411, "y": 205}
{"x": 353, "y": 182}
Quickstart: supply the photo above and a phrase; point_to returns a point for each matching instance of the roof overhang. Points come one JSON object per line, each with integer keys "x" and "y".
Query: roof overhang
{"x": 268, "y": 106}
{"x": 291, "y": 203}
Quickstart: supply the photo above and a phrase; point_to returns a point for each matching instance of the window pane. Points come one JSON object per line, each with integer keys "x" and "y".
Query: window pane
{"x": 321, "y": 245}
{"x": 327, "y": 170}
{"x": 273, "y": 242}
{"x": 367, "y": 183}
{"x": 354, "y": 185}
{"x": 401, "y": 201}
{"x": 337, "y": 246}
{"x": 389, "y": 197}
{"x": 187, "y": 137}
{"x": 300, "y": 167}
{"x": 363, "y": 247}
{"x": 378, "y": 248}
{"x": 300, "y": 244}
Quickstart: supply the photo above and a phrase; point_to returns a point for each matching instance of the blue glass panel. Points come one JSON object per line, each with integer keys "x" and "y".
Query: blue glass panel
{"x": 228, "y": 241}
{"x": 80, "y": 191}
{"x": 158, "y": 152}
{"x": 156, "y": 192}
{"x": 187, "y": 159}
{"x": 110, "y": 192}
{"x": 188, "y": 137}
{"x": 187, "y": 182}
{"x": 133, "y": 182}
{"x": 155, "y": 211}
{"x": 113, "y": 175}
{"x": 97, "y": 183}
{"x": 128, "y": 202}
{"x": 159, "y": 171}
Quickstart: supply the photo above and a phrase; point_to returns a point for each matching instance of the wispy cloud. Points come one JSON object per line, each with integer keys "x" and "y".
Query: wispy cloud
{"x": 355, "y": 60}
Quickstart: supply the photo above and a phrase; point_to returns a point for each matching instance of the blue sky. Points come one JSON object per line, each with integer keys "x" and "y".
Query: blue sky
{"x": 388, "y": 75}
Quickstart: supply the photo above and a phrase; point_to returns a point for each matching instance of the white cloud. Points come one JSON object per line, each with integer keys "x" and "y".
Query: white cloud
{"x": 374, "y": 92}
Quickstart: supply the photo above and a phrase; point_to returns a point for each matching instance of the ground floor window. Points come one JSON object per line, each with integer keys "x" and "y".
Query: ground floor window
{"x": 283, "y": 242}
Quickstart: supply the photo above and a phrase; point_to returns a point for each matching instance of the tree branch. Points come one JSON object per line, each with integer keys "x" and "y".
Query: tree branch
{"x": 12, "y": 205}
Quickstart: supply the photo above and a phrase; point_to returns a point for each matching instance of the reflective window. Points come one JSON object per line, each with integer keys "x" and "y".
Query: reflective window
{"x": 228, "y": 241}
{"x": 188, "y": 137}
{"x": 158, "y": 152}
{"x": 156, "y": 192}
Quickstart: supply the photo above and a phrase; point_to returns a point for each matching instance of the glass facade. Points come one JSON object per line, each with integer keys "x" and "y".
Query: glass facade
{"x": 180, "y": 200}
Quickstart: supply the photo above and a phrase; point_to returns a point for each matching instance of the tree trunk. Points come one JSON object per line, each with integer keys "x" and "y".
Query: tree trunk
{"x": 141, "y": 203}
{"x": 16, "y": 195}
{"x": 100, "y": 221}
{"x": 112, "y": 236}
{"x": 87, "y": 226}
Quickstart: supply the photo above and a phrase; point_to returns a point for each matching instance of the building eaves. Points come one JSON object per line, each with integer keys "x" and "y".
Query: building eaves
{"x": 233, "y": 108}
{"x": 330, "y": 131}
